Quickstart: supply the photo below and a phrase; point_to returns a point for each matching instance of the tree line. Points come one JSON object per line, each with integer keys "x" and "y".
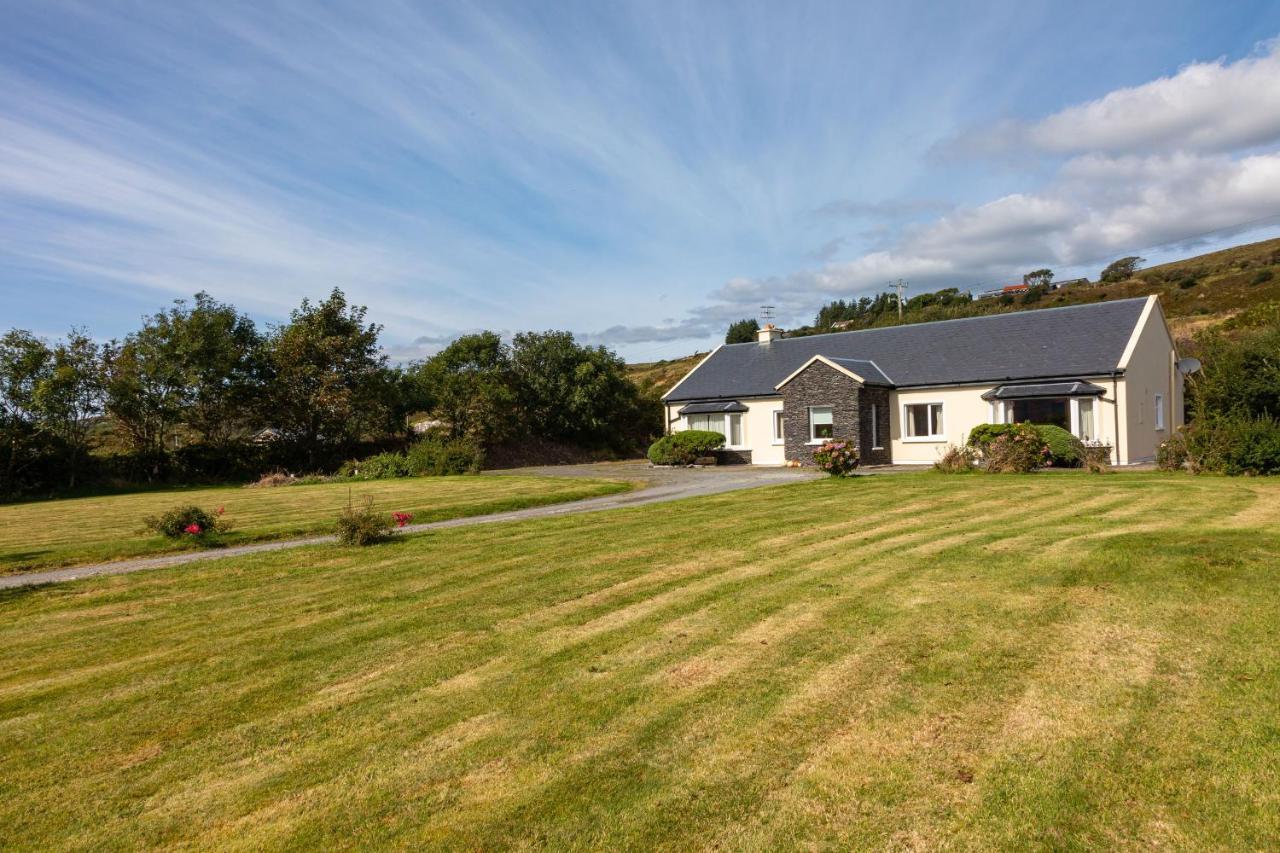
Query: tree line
{"x": 198, "y": 392}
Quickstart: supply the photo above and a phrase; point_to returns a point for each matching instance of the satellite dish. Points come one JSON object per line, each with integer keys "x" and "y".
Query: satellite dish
{"x": 1188, "y": 366}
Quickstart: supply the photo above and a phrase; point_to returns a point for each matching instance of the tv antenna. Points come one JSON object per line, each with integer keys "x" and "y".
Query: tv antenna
{"x": 766, "y": 313}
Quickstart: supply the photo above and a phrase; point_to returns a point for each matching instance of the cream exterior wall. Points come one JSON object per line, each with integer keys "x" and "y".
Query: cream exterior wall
{"x": 963, "y": 409}
{"x": 1150, "y": 370}
{"x": 757, "y": 428}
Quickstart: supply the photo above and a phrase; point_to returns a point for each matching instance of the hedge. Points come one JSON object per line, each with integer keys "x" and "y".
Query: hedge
{"x": 685, "y": 447}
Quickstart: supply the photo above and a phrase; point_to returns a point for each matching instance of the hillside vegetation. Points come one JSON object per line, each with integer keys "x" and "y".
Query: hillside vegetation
{"x": 1232, "y": 289}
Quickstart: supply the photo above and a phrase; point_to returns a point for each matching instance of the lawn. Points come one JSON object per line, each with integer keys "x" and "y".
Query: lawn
{"x": 85, "y": 530}
{"x": 1046, "y": 661}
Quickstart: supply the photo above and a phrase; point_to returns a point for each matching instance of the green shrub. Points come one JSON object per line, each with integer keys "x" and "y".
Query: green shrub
{"x": 685, "y": 447}
{"x": 1018, "y": 450}
{"x": 1188, "y": 282}
{"x": 983, "y": 434}
{"x": 837, "y": 456}
{"x": 1261, "y": 277}
{"x": 1235, "y": 445}
{"x": 362, "y": 525}
{"x": 383, "y": 466}
{"x": 436, "y": 456}
{"x": 956, "y": 460}
{"x": 1065, "y": 450}
{"x": 188, "y": 522}
{"x": 1172, "y": 453}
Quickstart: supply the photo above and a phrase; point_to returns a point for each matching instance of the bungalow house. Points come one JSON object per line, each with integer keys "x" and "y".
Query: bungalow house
{"x": 1107, "y": 371}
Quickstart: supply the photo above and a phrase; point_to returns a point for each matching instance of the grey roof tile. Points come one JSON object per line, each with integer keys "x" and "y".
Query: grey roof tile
{"x": 1080, "y": 340}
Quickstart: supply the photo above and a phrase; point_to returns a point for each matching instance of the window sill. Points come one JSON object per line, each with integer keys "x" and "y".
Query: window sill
{"x": 925, "y": 439}
{"x": 778, "y": 443}
{"x": 877, "y": 448}
{"x": 817, "y": 442}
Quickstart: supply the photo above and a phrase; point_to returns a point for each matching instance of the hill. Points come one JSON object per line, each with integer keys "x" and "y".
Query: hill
{"x": 1231, "y": 289}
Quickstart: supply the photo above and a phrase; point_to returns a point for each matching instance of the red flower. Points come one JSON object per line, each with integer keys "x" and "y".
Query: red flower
{"x": 221, "y": 510}
{"x": 402, "y": 518}
{"x": 193, "y": 529}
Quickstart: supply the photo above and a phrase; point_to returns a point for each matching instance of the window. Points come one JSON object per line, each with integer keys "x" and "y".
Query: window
{"x": 1042, "y": 411}
{"x": 922, "y": 420}
{"x": 875, "y": 427}
{"x": 821, "y": 423}
{"x": 730, "y": 426}
{"x": 1159, "y": 406}
{"x": 1086, "y": 420}
{"x": 779, "y": 436}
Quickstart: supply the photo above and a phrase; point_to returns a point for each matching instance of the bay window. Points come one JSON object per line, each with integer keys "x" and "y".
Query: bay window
{"x": 728, "y": 425}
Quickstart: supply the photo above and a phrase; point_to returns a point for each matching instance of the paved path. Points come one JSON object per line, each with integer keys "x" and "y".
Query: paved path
{"x": 657, "y": 485}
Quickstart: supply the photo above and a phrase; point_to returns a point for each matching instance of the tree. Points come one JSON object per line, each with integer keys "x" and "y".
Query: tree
{"x": 70, "y": 396}
{"x": 327, "y": 379}
{"x": 25, "y": 362}
{"x": 742, "y": 332}
{"x": 573, "y": 393}
{"x": 1121, "y": 269}
{"x": 469, "y": 385}
{"x": 1042, "y": 277}
{"x": 221, "y": 355}
{"x": 1241, "y": 375}
{"x": 144, "y": 386}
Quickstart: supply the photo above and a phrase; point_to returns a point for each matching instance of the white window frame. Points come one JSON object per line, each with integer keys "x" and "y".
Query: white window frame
{"x": 933, "y": 438}
{"x": 1159, "y": 407}
{"x": 728, "y": 429}
{"x": 779, "y": 426}
{"x": 814, "y": 439}
{"x": 875, "y": 427}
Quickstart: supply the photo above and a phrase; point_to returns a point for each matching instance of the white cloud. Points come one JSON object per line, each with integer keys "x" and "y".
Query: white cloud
{"x": 1205, "y": 107}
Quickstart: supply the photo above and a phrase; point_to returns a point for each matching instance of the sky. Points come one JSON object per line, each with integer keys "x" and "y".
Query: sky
{"x": 640, "y": 174}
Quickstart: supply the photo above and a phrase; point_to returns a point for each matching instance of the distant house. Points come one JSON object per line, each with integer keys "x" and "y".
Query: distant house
{"x": 1070, "y": 282}
{"x": 1105, "y": 371}
{"x": 1007, "y": 290}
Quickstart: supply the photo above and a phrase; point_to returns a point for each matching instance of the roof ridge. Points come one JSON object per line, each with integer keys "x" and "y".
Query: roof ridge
{"x": 1002, "y": 314}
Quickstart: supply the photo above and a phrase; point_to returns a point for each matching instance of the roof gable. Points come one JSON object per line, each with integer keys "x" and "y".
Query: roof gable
{"x": 1080, "y": 340}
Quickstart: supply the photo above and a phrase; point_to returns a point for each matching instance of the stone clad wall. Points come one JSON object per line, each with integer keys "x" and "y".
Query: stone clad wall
{"x": 819, "y": 385}
{"x": 880, "y": 398}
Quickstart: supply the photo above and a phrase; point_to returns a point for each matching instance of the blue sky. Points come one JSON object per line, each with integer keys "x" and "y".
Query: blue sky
{"x": 640, "y": 174}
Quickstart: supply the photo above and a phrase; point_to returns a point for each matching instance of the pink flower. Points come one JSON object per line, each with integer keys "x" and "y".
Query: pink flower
{"x": 402, "y": 518}
{"x": 193, "y": 529}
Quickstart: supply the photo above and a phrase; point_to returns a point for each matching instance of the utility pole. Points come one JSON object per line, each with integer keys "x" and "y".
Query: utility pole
{"x": 900, "y": 286}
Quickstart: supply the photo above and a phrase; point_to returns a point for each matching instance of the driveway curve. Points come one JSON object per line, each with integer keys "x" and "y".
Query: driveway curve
{"x": 656, "y": 485}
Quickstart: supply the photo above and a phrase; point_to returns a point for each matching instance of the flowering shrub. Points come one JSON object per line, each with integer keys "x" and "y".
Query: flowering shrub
{"x": 837, "y": 457}
{"x": 1018, "y": 450}
{"x": 364, "y": 525}
{"x": 188, "y": 522}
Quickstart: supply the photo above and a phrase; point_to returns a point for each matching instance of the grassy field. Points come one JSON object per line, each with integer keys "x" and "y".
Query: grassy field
{"x": 1058, "y": 661}
{"x": 83, "y": 530}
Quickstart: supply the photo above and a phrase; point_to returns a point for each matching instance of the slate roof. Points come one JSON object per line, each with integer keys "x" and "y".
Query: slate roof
{"x": 1049, "y": 343}
{"x": 713, "y": 408}
{"x": 868, "y": 370}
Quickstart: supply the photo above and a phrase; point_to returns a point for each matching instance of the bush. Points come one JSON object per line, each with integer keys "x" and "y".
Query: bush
{"x": 1235, "y": 445}
{"x": 383, "y": 466}
{"x": 436, "y": 456}
{"x": 362, "y": 525}
{"x": 188, "y": 522}
{"x": 685, "y": 447}
{"x": 1018, "y": 450}
{"x": 837, "y": 456}
{"x": 956, "y": 460}
{"x": 1261, "y": 277}
{"x": 1065, "y": 450}
{"x": 1172, "y": 454}
{"x": 981, "y": 436}
{"x": 1188, "y": 282}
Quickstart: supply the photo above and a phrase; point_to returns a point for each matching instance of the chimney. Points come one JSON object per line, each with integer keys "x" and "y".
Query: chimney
{"x": 768, "y": 333}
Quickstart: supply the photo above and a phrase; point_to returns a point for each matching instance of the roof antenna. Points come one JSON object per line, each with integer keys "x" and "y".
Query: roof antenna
{"x": 766, "y": 314}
